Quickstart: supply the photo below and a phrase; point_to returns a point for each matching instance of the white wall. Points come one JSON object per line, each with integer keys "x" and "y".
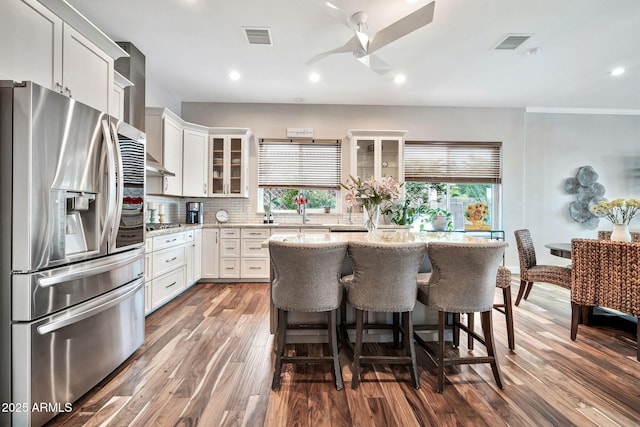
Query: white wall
{"x": 556, "y": 145}
{"x": 422, "y": 123}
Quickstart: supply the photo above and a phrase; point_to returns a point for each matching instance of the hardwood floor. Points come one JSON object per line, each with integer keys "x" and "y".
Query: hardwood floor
{"x": 207, "y": 361}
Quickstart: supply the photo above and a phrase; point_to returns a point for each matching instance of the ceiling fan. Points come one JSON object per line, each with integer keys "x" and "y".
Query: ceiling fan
{"x": 362, "y": 46}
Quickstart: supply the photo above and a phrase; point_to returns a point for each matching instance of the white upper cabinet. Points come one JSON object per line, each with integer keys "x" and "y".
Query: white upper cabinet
{"x": 116, "y": 101}
{"x": 164, "y": 131}
{"x": 194, "y": 163}
{"x": 377, "y": 153}
{"x": 45, "y": 46}
{"x": 228, "y": 162}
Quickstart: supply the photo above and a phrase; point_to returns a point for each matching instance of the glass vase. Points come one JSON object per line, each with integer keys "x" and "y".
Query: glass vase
{"x": 371, "y": 217}
{"x": 620, "y": 233}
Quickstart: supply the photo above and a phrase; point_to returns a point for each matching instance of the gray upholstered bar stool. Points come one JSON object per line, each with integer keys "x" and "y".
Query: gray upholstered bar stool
{"x": 463, "y": 280}
{"x": 384, "y": 280}
{"x": 306, "y": 278}
{"x": 503, "y": 282}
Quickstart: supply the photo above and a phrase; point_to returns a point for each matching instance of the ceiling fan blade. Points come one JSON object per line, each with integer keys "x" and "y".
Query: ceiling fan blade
{"x": 333, "y": 8}
{"x": 402, "y": 27}
{"x": 353, "y": 44}
{"x": 376, "y": 64}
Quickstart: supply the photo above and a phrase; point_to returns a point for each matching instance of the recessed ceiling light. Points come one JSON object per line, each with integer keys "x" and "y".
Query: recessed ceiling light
{"x": 399, "y": 79}
{"x": 314, "y": 77}
{"x": 234, "y": 75}
{"x": 617, "y": 71}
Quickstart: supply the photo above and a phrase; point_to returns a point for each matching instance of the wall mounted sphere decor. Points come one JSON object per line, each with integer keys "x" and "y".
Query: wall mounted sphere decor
{"x": 588, "y": 193}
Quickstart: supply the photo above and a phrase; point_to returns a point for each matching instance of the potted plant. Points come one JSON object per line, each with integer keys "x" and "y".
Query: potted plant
{"x": 441, "y": 219}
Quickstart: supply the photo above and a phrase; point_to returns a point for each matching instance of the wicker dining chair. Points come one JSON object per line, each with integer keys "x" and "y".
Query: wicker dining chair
{"x": 606, "y": 235}
{"x": 306, "y": 278}
{"x": 605, "y": 274}
{"x": 531, "y": 271}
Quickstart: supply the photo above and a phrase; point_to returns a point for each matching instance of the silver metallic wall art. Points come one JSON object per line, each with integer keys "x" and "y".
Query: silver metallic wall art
{"x": 588, "y": 193}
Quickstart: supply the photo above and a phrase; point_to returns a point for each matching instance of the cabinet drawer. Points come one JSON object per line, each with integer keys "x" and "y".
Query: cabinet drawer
{"x": 229, "y": 247}
{"x": 167, "y": 259}
{"x": 168, "y": 240}
{"x": 255, "y": 268}
{"x": 229, "y": 268}
{"x": 255, "y": 233}
{"x": 252, "y": 248}
{"x": 165, "y": 287}
{"x": 233, "y": 233}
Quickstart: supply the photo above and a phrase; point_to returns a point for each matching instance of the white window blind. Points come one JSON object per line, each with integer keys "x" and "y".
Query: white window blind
{"x": 440, "y": 161}
{"x": 299, "y": 164}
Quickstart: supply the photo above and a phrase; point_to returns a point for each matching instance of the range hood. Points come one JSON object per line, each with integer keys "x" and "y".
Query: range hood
{"x": 154, "y": 168}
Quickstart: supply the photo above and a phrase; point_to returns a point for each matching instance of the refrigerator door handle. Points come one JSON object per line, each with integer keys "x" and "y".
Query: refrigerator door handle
{"x": 119, "y": 189}
{"x": 77, "y": 314}
{"x": 46, "y": 282}
{"x": 112, "y": 180}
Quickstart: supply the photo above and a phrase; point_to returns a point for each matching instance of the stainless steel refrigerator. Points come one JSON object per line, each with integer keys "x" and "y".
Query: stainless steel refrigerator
{"x": 72, "y": 186}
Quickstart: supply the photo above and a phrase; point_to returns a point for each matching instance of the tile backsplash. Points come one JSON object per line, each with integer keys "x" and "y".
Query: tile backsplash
{"x": 240, "y": 211}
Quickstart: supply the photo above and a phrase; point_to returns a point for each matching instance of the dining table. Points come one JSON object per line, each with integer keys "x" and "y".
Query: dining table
{"x": 562, "y": 250}
{"x": 422, "y": 314}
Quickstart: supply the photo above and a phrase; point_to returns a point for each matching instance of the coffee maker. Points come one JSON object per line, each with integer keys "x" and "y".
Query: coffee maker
{"x": 195, "y": 212}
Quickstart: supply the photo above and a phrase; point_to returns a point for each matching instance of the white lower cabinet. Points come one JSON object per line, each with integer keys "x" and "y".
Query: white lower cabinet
{"x": 229, "y": 253}
{"x": 254, "y": 262}
{"x": 210, "y": 253}
{"x": 172, "y": 264}
{"x": 193, "y": 255}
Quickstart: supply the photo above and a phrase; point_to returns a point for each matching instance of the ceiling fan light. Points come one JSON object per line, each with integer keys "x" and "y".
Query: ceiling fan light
{"x": 234, "y": 75}
{"x": 399, "y": 79}
{"x": 331, "y": 5}
{"x": 314, "y": 77}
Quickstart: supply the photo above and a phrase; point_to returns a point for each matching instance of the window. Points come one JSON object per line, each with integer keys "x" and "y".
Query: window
{"x": 287, "y": 168}
{"x": 455, "y": 174}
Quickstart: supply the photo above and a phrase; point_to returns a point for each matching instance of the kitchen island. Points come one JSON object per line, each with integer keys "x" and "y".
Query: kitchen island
{"x": 421, "y": 315}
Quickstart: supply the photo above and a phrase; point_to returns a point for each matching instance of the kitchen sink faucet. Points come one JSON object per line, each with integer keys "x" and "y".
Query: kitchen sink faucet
{"x": 301, "y": 200}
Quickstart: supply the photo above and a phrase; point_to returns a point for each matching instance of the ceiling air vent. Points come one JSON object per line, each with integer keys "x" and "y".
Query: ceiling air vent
{"x": 258, "y": 36}
{"x": 512, "y": 41}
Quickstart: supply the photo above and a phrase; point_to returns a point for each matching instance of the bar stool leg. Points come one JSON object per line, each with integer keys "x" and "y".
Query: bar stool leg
{"x": 409, "y": 345}
{"x": 441, "y": 319}
{"x": 333, "y": 344}
{"x": 357, "y": 351}
{"x": 396, "y": 332}
{"x": 487, "y": 329}
{"x": 508, "y": 314}
{"x": 470, "y": 324}
{"x": 281, "y": 334}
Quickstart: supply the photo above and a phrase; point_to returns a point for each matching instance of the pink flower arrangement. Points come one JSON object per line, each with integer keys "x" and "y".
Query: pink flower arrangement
{"x": 371, "y": 192}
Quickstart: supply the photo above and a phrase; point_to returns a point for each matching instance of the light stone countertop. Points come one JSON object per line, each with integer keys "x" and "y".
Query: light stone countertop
{"x": 379, "y": 236}
{"x": 288, "y": 225}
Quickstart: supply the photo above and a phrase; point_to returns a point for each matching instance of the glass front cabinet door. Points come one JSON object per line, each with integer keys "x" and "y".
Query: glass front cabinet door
{"x": 377, "y": 153}
{"x": 228, "y": 162}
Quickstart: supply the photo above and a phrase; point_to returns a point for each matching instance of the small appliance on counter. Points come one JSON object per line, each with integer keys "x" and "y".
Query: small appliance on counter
{"x": 195, "y": 212}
